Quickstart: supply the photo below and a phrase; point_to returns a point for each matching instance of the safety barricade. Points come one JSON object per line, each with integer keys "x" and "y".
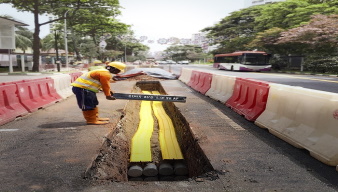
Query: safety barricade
{"x": 195, "y": 76}
{"x": 221, "y": 88}
{"x": 10, "y": 106}
{"x": 185, "y": 75}
{"x": 249, "y": 98}
{"x": 12, "y": 82}
{"x": 37, "y": 93}
{"x": 203, "y": 83}
{"x": 62, "y": 85}
{"x": 75, "y": 75}
{"x": 305, "y": 118}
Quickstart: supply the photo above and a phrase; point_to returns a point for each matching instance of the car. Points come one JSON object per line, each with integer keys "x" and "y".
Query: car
{"x": 171, "y": 62}
{"x": 184, "y": 62}
{"x": 161, "y": 62}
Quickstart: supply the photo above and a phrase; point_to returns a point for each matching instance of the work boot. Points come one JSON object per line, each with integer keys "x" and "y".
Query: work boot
{"x": 96, "y": 109}
{"x": 91, "y": 118}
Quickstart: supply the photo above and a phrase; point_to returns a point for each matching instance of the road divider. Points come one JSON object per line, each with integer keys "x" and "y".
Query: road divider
{"x": 185, "y": 75}
{"x": 249, "y": 98}
{"x": 222, "y": 87}
{"x": 74, "y": 76}
{"x": 37, "y": 93}
{"x": 10, "y": 106}
{"x": 195, "y": 76}
{"x": 203, "y": 82}
{"x": 62, "y": 85}
{"x": 305, "y": 118}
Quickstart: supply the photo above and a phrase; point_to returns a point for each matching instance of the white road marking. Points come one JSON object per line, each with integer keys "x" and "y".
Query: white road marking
{"x": 229, "y": 121}
{"x": 8, "y": 130}
{"x": 71, "y": 128}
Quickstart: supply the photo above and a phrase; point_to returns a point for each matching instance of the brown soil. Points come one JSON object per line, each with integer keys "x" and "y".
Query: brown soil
{"x": 143, "y": 78}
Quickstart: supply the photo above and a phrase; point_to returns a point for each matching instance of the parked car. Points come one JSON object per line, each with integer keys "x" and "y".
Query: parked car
{"x": 161, "y": 62}
{"x": 184, "y": 62}
{"x": 171, "y": 62}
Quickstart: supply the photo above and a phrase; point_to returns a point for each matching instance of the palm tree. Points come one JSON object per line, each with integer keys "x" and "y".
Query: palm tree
{"x": 23, "y": 38}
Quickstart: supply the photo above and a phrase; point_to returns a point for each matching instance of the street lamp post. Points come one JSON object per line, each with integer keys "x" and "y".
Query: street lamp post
{"x": 66, "y": 46}
{"x": 125, "y": 53}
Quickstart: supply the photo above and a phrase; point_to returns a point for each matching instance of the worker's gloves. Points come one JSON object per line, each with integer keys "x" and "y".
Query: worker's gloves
{"x": 110, "y": 98}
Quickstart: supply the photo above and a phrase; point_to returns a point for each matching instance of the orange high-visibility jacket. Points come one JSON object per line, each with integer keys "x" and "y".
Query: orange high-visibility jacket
{"x": 94, "y": 80}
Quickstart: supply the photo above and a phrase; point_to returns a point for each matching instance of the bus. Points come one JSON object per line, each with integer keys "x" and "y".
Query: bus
{"x": 243, "y": 61}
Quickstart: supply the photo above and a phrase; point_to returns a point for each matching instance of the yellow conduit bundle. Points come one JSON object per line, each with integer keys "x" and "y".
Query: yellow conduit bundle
{"x": 140, "y": 144}
{"x": 170, "y": 148}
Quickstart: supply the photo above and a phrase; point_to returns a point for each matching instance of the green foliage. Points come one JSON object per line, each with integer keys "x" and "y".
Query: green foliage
{"x": 322, "y": 64}
{"x": 282, "y": 28}
{"x": 277, "y": 15}
{"x": 89, "y": 49}
{"x": 183, "y": 52}
{"x": 48, "y": 42}
{"x": 317, "y": 37}
{"x": 278, "y": 63}
{"x": 97, "y": 16}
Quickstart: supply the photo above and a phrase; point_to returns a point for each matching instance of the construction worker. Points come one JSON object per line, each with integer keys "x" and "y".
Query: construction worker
{"x": 87, "y": 85}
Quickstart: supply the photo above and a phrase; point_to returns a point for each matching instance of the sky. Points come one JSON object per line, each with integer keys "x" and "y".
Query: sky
{"x": 156, "y": 19}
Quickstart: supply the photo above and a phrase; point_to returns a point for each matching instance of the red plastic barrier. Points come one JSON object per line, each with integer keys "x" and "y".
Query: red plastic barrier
{"x": 204, "y": 82}
{"x": 12, "y": 82}
{"x": 249, "y": 98}
{"x": 10, "y": 106}
{"x": 47, "y": 85}
{"x": 195, "y": 75}
{"x": 74, "y": 76}
{"x": 37, "y": 93}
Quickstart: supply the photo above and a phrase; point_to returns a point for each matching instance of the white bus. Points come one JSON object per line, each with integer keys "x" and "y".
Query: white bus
{"x": 243, "y": 61}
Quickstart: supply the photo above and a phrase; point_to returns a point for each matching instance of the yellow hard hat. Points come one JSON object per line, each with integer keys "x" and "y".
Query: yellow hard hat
{"x": 97, "y": 62}
{"x": 117, "y": 65}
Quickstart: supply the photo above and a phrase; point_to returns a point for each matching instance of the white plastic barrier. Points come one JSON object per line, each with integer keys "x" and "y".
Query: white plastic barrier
{"x": 62, "y": 85}
{"x": 185, "y": 75}
{"x": 221, "y": 88}
{"x": 305, "y": 118}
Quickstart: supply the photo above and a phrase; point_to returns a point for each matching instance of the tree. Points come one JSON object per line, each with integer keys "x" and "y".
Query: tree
{"x": 254, "y": 26}
{"x": 181, "y": 52}
{"x": 56, "y": 7}
{"x": 266, "y": 40}
{"x": 235, "y": 30}
{"x": 319, "y": 36}
{"x": 23, "y": 38}
{"x": 89, "y": 22}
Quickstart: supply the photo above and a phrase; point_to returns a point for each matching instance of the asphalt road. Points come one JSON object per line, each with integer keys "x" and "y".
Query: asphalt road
{"x": 317, "y": 82}
{"x": 49, "y": 150}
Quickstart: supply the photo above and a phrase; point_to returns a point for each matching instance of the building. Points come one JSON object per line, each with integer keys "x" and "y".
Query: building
{"x": 249, "y": 3}
{"x": 8, "y": 57}
{"x": 52, "y": 26}
{"x": 201, "y": 39}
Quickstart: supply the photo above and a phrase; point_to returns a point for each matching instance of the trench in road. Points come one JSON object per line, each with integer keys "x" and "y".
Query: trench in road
{"x": 114, "y": 162}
